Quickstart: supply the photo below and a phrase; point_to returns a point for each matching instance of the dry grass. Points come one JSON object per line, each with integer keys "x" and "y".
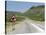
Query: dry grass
{"x": 11, "y": 27}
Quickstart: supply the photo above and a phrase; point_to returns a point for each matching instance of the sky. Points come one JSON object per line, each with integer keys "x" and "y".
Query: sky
{"x": 20, "y": 6}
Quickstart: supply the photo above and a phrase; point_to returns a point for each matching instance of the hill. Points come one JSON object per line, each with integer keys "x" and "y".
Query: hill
{"x": 36, "y": 13}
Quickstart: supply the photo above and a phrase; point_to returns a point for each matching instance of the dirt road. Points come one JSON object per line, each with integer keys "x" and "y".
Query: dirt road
{"x": 28, "y": 26}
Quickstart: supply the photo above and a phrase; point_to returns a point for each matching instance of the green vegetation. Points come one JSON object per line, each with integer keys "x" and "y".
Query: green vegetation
{"x": 19, "y": 18}
{"x": 36, "y": 13}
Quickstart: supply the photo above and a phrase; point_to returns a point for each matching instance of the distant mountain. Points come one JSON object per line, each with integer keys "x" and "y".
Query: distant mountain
{"x": 13, "y": 13}
{"x": 34, "y": 10}
{"x": 36, "y": 13}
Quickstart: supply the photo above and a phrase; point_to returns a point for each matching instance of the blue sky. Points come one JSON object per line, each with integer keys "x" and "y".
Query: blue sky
{"x": 20, "y": 6}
